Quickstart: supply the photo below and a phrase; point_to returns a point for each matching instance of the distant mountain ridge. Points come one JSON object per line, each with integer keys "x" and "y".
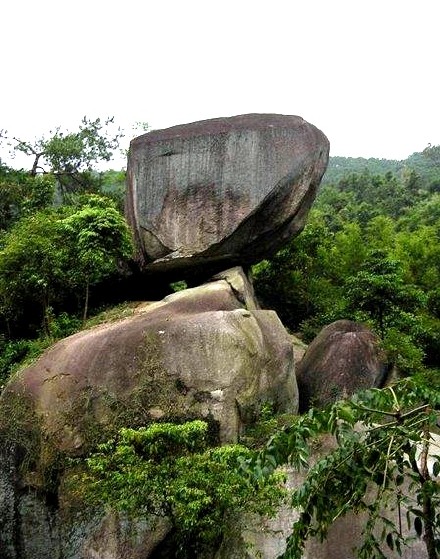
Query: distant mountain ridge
{"x": 339, "y": 167}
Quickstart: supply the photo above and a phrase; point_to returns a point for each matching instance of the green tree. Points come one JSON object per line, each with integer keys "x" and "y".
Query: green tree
{"x": 170, "y": 470}
{"x": 72, "y": 156}
{"x": 379, "y": 290}
{"x": 419, "y": 252}
{"x": 380, "y": 234}
{"x": 347, "y": 252}
{"x": 425, "y": 212}
{"x": 22, "y": 195}
{"x": 382, "y": 440}
{"x": 113, "y": 186}
{"x": 54, "y": 254}
{"x": 295, "y": 282}
{"x": 98, "y": 238}
{"x": 32, "y": 267}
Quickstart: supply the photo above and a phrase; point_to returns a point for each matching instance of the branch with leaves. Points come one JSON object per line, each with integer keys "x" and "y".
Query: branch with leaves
{"x": 379, "y": 464}
{"x": 71, "y": 156}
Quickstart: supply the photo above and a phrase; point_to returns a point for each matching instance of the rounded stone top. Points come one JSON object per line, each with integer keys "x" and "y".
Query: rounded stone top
{"x": 223, "y": 125}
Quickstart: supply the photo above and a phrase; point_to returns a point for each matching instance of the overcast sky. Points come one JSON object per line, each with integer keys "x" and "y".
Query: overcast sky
{"x": 366, "y": 72}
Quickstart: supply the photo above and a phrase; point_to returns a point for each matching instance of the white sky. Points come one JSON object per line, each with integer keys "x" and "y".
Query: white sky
{"x": 366, "y": 72}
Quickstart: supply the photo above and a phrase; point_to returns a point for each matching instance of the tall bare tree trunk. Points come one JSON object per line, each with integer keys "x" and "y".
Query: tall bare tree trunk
{"x": 428, "y": 508}
{"x": 86, "y": 302}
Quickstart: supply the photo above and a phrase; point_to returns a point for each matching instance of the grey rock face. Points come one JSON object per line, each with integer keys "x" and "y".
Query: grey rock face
{"x": 222, "y": 192}
{"x": 342, "y": 359}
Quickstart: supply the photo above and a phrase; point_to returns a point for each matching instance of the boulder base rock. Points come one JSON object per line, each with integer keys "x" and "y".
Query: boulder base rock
{"x": 222, "y": 192}
{"x": 202, "y": 352}
{"x": 206, "y": 352}
{"x": 345, "y": 357}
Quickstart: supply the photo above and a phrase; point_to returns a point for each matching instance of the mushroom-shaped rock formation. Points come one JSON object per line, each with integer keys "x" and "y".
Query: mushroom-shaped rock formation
{"x": 221, "y": 192}
{"x": 345, "y": 357}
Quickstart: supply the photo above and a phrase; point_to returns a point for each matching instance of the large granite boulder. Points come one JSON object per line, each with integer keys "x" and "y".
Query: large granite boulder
{"x": 202, "y": 352}
{"x": 206, "y": 352}
{"x": 344, "y": 358}
{"x": 221, "y": 192}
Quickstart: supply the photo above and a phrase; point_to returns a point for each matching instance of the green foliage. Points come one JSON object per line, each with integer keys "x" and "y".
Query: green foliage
{"x": 169, "y": 470}
{"x": 296, "y": 276}
{"x": 17, "y": 353}
{"x": 419, "y": 252}
{"x": 22, "y": 195}
{"x": 339, "y": 167}
{"x": 403, "y": 351}
{"x": 98, "y": 238}
{"x": 420, "y": 171}
{"x": 71, "y": 157}
{"x": 327, "y": 272}
{"x": 11, "y": 352}
{"x": 52, "y": 254}
{"x": 31, "y": 266}
{"x": 178, "y": 286}
{"x": 112, "y": 185}
{"x": 64, "y": 325}
{"x": 379, "y": 290}
{"x": 266, "y": 425}
{"x": 77, "y": 151}
{"x": 381, "y": 440}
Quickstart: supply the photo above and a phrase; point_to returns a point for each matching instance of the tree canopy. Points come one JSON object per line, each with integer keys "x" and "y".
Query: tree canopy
{"x": 47, "y": 256}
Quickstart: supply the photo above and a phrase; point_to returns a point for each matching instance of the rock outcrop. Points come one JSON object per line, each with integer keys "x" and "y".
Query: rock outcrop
{"x": 201, "y": 352}
{"x": 206, "y": 352}
{"x": 344, "y": 358}
{"x": 221, "y": 192}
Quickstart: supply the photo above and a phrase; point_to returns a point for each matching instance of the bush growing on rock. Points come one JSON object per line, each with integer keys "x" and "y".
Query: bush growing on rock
{"x": 169, "y": 470}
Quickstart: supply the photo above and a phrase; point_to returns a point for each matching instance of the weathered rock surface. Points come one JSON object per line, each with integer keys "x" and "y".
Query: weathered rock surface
{"x": 205, "y": 352}
{"x": 222, "y": 192}
{"x": 342, "y": 359}
{"x": 202, "y": 352}
{"x": 299, "y": 349}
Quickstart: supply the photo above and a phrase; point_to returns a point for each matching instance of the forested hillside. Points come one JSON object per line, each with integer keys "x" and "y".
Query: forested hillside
{"x": 369, "y": 251}
{"x": 424, "y": 164}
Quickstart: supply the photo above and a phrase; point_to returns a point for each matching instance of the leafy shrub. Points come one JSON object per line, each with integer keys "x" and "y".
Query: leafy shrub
{"x": 168, "y": 470}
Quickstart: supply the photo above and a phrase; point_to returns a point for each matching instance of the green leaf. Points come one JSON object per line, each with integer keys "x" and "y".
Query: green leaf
{"x": 390, "y": 541}
{"x": 418, "y": 526}
{"x": 399, "y": 480}
{"x": 346, "y": 413}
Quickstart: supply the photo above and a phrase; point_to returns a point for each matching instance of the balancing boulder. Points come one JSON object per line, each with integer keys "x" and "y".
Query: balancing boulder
{"x": 217, "y": 193}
